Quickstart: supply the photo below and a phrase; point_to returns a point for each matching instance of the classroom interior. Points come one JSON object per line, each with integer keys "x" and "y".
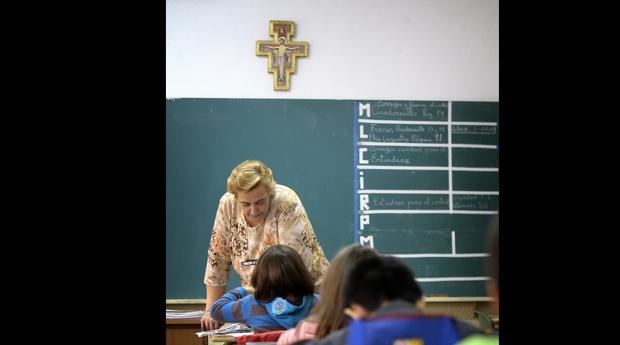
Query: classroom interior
{"x": 398, "y": 50}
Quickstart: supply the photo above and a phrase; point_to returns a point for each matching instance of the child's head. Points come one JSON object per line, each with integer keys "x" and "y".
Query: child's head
{"x": 280, "y": 272}
{"x": 376, "y": 280}
{"x": 329, "y": 312}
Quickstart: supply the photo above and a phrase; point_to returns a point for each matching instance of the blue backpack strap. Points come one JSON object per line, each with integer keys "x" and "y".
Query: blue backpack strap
{"x": 404, "y": 330}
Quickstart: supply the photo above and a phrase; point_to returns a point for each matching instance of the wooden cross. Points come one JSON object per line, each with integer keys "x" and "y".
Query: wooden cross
{"x": 281, "y": 52}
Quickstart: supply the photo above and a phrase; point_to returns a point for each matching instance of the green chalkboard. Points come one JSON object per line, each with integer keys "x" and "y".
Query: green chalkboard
{"x": 426, "y": 184}
{"x": 313, "y": 146}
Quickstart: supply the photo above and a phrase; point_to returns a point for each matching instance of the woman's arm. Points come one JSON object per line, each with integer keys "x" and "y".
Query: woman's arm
{"x": 219, "y": 253}
{"x": 213, "y": 294}
{"x": 218, "y": 262}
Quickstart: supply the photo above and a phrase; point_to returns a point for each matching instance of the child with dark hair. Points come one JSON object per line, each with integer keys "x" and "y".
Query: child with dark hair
{"x": 382, "y": 291}
{"x": 377, "y": 281}
{"x": 283, "y": 293}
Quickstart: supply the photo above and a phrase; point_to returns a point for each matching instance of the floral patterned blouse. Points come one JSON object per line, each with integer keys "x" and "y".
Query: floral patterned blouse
{"x": 234, "y": 242}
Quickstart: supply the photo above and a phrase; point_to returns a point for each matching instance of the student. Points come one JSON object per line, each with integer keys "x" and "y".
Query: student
{"x": 253, "y": 215}
{"x": 384, "y": 287}
{"x": 328, "y": 315}
{"x": 283, "y": 294}
{"x": 492, "y": 286}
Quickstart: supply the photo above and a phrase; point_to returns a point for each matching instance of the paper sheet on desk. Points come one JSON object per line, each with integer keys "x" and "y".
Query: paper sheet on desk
{"x": 184, "y": 314}
{"x": 233, "y": 330}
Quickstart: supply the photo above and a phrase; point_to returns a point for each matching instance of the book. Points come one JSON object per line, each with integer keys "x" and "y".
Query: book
{"x": 184, "y": 314}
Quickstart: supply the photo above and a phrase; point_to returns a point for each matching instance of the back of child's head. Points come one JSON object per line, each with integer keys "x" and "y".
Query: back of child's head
{"x": 281, "y": 272}
{"x": 375, "y": 280}
{"x": 329, "y": 312}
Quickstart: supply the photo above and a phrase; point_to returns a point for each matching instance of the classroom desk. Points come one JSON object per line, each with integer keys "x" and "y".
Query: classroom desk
{"x": 459, "y": 307}
{"x": 181, "y": 332}
{"x": 221, "y": 340}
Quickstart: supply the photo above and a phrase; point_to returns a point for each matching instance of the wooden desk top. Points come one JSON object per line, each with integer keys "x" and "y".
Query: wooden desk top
{"x": 182, "y": 321}
{"x": 222, "y": 338}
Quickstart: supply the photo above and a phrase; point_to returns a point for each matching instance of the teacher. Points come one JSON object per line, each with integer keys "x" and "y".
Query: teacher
{"x": 255, "y": 214}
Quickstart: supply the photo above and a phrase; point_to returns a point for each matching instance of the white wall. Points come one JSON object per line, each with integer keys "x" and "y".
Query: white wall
{"x": 359, "y": 49}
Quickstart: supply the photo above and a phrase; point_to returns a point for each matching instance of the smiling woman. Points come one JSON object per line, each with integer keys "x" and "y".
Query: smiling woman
{"x": 255, "y": 214}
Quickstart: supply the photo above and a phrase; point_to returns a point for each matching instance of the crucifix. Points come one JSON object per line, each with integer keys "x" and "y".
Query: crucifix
{"x": 282, "y": 53}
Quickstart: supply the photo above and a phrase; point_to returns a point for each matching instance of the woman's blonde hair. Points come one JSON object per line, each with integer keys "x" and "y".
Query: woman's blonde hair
{"x": 329, "y": 312}
{"x": 248, "y": 175}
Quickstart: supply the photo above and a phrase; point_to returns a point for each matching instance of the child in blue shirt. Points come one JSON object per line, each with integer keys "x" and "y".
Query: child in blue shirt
{"x": 283, "y": 293}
